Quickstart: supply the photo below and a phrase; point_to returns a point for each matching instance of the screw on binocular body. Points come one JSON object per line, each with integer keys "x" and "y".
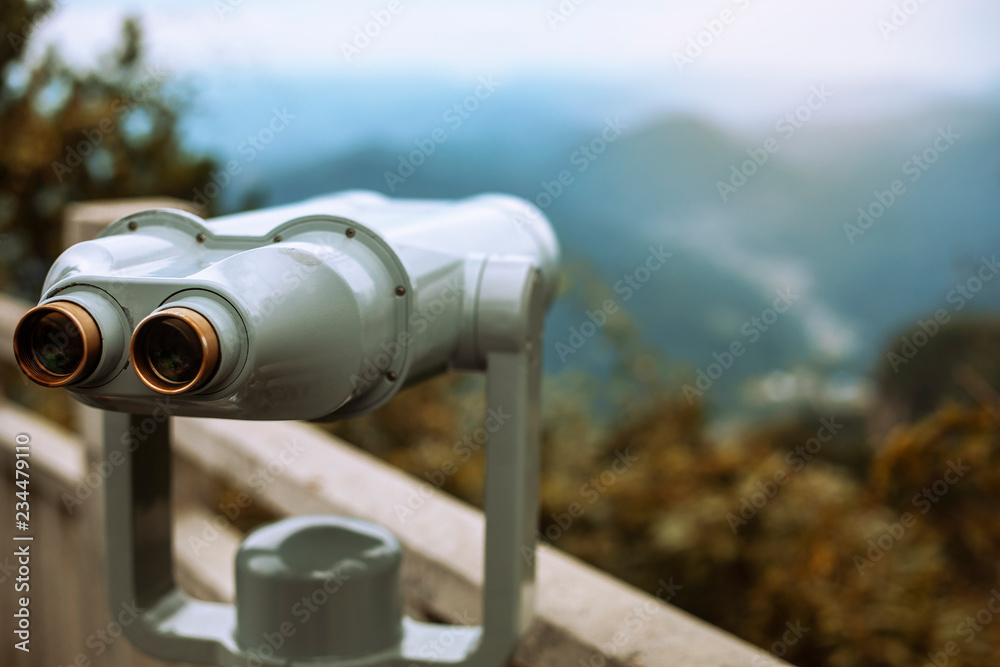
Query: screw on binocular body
{"x": 220, "y": 346}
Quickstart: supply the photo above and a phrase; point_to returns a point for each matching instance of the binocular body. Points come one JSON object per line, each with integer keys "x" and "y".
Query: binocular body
{"x": 318, "y": 310}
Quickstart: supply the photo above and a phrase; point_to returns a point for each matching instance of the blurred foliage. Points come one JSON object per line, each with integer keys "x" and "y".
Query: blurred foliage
{"x": 922, "y": 370}
{"x": 843, "y": 547}
{"x": 56, "y": 406}
{"x": 70, "y": 136}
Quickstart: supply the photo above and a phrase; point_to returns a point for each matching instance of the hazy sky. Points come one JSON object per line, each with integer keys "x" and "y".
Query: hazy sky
{"x": 951, "y": 44}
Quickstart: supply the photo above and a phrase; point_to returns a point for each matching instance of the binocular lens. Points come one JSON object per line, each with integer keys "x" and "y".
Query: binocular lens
{"x": 56, "y": 344}
{"x": 174, "y": 351}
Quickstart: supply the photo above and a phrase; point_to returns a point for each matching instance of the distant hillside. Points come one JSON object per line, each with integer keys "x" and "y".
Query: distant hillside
{"x": 657, "y": 183}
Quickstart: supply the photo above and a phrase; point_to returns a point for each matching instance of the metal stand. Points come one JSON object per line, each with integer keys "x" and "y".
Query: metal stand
{"x": 360, "y": 625}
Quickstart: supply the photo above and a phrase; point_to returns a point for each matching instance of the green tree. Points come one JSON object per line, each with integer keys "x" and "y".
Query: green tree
{"x": 69, "y": 135}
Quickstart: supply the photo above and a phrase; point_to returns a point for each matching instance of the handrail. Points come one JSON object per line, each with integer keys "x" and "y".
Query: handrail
{"x": 582, "y": 617}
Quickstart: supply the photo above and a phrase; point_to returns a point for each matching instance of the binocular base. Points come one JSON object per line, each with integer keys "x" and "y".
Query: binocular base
{"x": 321, "y": 591}
{"x": 341, "y": 573}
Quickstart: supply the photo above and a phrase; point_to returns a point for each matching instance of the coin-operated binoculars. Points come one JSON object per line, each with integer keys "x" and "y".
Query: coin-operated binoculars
{"x": 321, "y": 310}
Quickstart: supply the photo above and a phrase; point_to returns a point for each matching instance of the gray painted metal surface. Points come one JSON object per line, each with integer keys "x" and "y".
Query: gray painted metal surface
{"x": 303, "y": 299}
{"x": 379, "y": 293}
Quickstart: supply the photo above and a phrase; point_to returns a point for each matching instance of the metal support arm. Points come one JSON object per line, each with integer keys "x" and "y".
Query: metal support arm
{"x": 173, "y": 626}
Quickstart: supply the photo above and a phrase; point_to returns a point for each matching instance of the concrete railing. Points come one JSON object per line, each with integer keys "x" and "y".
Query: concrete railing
{"x": 583, "y": 616}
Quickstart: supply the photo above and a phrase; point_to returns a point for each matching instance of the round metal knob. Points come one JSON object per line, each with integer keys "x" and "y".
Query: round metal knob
{"x": 318, "y": 586}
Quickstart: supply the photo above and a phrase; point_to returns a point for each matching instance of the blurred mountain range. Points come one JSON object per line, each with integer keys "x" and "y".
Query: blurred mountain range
{"x": 657, "y": 182}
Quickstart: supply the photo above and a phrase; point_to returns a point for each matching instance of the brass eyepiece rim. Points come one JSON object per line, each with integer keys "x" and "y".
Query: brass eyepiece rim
{"x": 207, "y": 338}
{"x": 90, "y": 336}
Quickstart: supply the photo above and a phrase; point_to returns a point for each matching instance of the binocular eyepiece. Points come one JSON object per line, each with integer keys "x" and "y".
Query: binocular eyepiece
{"x": 173, "y": 351}
{"x": 318, "y": 310}
{"x": 57, "y": 344}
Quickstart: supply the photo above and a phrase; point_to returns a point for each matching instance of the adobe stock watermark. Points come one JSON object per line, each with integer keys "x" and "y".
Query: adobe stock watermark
{"x": 627, "y": 288}
{"x": 899, "y": 16}
{"x": 77, "y": 154}
{"x": 463, "y": 450}
{"x": 585, "y": 155}
{"x": 924, "y": 500}
{"x": 420, "y": 321}
{"x": 703, "y": 40}
{"x": 224, "y": 7}
{"x": 591, "y": 491}
{"x": 18, "y": 39}
{"x": 786, "y": 126}
{"x": 634, "y": 620}
{"x": 563, "y": 12}
{"x": 915, "y": 168}
{"x": 796, "y": 459}
{"x": 454, "y": 117}
{"x": 365, "y": 35}
{"x": 103, "y": 469}
{"x": 328, "y": 584}
{"x": 911, "y": 344}
{"x": 753, "y": 329}
{"x": 440, "y": 646}
{"x": 249, "y": 148}
{"x": 779, "y": 649}
{"x": 967, "y": 629}
{"x": 101, "y": 640}
{"x": 304, "y": 263}
{"x": 259, "y": 480}
{"x": 524, "y": 215}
